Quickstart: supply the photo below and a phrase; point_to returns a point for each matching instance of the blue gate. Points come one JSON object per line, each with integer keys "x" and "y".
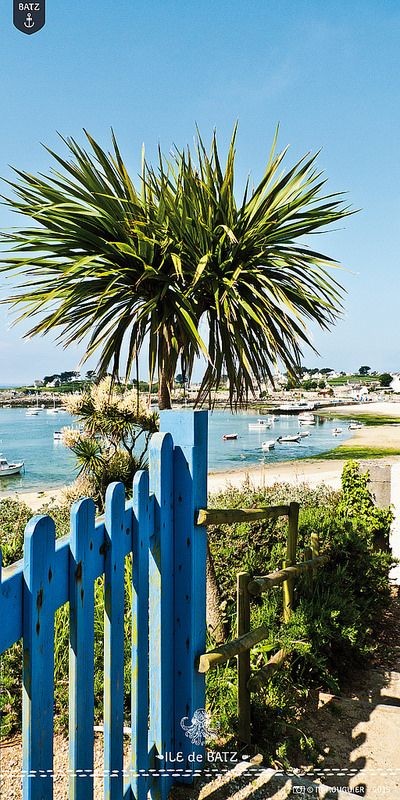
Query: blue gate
{"x": 157, "y": 530}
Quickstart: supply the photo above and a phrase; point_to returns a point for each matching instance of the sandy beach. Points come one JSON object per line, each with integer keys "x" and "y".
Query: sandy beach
{"x": 379, "y": 408}
{"x": 309, "y": 471}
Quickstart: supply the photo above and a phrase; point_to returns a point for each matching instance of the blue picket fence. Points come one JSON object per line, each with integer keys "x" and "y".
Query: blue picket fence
{"x": 168, "y": 622}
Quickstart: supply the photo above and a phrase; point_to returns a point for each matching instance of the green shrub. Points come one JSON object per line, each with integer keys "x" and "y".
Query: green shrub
{"x": 333, "y": 627}
{"x": 14, "y": 515}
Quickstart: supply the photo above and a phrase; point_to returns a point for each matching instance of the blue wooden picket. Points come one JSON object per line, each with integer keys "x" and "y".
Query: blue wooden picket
{"x": 81, "y": 653}
{"x": 38, "y": 659}
{"x": 142, "y": 516}
{"x": 116, "y": 532}
{"x": 161, "y": 612}
{"x": 157, "y": 531}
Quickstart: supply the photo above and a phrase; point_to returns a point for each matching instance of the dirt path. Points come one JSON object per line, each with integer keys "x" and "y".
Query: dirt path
{"x": 358, "y": 733}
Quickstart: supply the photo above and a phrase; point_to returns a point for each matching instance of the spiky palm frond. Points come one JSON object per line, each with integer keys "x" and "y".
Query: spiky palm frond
{"x": 144, "y": 267}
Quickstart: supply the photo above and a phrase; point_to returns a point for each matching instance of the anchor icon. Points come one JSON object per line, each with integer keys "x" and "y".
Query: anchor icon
{"x": 29, "y": 23}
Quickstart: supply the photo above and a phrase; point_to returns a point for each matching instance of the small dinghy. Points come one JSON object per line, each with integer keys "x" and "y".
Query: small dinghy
{"x": 228, "y": 436}
{"x": 9, "y": 469}
{"x": 288, "y": 439}
{"x": 269, "y": 445}
{"x": 260, "y": 425}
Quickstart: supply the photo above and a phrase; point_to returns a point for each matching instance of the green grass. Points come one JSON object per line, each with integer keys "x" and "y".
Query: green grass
{"x": 343, "y": 379}
{"x": 366, "y": 419}
{"x": 355, "y": 452}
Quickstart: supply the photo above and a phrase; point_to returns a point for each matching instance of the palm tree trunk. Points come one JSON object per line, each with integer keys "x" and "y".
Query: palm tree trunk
{"x": 216, "y": 625}
{"x": 164, "y": 394}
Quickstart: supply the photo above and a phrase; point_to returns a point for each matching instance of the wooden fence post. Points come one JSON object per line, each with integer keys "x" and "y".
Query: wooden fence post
{"x": 243, "y": 660}
{"x": 307, "y": 556}
{"x": 291, "y": 548}
{"x": 314, "y": 550}
{"x": 189, "y": 430}
{"x": 315, "y": 544}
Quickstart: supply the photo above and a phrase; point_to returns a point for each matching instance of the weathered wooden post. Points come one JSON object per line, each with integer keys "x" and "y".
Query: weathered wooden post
{"x": 243, "y": 660}
{"x": 189, "y": 430}
{"x": 288, "y": 585}
{"x": 314, "y": 550}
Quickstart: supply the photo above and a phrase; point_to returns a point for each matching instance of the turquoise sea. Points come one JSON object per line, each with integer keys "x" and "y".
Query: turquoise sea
{"x": 48, "y": 463}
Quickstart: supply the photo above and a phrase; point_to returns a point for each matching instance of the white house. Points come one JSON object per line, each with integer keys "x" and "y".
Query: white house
{"x": 395, "y": 384}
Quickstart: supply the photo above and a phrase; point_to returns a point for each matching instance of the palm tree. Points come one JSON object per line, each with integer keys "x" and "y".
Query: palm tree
{"x": 147, "y": 267}
{"x": 115, "y": 435}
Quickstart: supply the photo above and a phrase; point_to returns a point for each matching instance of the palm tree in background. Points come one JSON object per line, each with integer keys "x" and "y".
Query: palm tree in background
{"x": 151, "y": 266}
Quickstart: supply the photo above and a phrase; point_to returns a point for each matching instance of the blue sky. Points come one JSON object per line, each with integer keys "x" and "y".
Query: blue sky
{"x": 328, "y": 72}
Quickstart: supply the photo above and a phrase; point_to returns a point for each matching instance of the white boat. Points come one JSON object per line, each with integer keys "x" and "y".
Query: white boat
{"x": 300, "y": 406}
{"x": 305, "y": 421}
{"x": 355, "y": 426}
{"x": 303, "y": 434}
{"x": 269, "y": 445}
{"x": 228, "y": 436}
{"x": 260, "y": 425}
{"x": 295, "y": 438}
{"x": 34, "y": 411}
{"x": 9, "y": 469}
{"x": 337, "y": 431}
{"x": 53, "y": 410}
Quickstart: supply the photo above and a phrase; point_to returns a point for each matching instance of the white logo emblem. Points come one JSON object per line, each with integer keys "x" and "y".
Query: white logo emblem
{"x": 200, "y": 729}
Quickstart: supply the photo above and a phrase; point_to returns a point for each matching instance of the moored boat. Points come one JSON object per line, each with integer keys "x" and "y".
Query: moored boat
{"x": 9, "y": 469}
{"x": 288, "y": 439}
{"x": 260, "y": 425}
{"x": 268, "y": 445}
{"x": 306, "y": 417}
{"x": 228, "y": 436}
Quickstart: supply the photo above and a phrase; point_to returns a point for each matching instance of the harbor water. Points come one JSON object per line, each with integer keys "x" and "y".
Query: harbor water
{"x": 48, "y": 463}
